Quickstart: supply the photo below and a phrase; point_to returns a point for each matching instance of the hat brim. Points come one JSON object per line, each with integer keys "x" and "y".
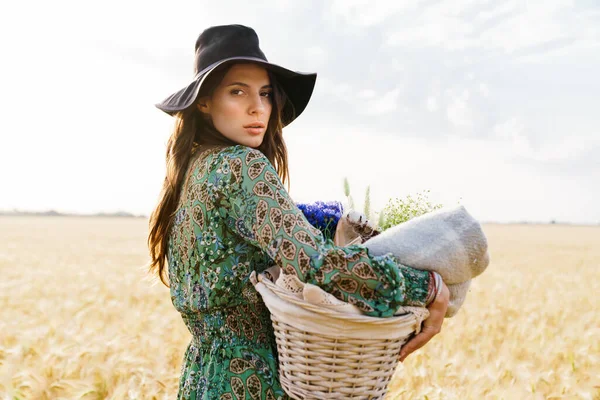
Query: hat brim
{"x": 298, "y": 87}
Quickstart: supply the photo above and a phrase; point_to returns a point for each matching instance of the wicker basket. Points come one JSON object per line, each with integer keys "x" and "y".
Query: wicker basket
{"x": 325, "y": 354}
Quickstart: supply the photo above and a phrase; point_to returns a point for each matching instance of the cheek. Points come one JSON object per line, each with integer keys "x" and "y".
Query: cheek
{"x": 228, "y": 108}
{"x": 226, "y": 114}
{"x": 268, "y": 108}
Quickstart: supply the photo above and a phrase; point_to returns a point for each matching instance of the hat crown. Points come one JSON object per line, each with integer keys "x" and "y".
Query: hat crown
{"x": 225, "y": 41}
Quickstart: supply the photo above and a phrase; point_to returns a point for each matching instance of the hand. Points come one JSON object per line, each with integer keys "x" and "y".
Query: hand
{"x": 431, "y": 326}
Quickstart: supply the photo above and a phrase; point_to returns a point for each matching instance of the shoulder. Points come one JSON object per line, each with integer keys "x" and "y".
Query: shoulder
{"x": 211, "y": 159}
{"x": 239, "y": 159}
{"x": 243, "y": 166}
{"x": 244, "y": 153}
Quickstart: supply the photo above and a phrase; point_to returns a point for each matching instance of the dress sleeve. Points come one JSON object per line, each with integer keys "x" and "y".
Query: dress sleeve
{"x": 250, "y": 197}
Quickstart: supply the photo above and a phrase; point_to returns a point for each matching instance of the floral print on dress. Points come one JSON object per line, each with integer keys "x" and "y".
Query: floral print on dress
{"x": 234, "y": 217}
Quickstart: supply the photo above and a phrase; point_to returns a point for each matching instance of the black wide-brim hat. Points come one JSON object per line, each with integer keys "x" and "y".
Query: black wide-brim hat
{"x": 218, "y": 46}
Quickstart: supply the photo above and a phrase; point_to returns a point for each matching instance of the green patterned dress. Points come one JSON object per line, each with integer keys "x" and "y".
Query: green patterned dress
{"x": 235, "y": 216}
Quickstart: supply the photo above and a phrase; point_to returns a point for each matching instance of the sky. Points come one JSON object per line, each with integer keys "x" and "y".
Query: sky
{"x": 488, "y": 104}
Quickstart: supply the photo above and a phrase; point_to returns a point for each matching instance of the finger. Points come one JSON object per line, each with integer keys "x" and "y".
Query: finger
{"x": 415, "y": 344}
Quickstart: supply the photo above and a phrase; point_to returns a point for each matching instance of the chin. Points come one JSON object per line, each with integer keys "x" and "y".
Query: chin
{"x": 254, "y": 142}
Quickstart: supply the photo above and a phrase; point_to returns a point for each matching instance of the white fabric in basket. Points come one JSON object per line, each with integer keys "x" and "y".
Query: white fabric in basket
{"x": 344, "y": 327}
{"x": 315, "y": 295}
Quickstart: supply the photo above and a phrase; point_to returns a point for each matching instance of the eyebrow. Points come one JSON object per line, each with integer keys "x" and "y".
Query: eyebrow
{"x": 246, "y": 85}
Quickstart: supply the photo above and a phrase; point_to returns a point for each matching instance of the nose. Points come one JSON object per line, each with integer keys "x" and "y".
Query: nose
{"x": 256, "y": 105}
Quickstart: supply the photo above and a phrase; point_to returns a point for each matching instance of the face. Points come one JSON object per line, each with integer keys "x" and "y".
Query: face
{"x": 240, "y": 106}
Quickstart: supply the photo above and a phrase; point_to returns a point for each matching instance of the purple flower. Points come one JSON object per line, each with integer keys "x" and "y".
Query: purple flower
{"x": 323, "y": 215}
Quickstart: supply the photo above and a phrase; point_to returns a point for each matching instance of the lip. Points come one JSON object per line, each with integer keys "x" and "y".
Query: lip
{"x": 257, "y": 124}
{"x": 255, "y": 131}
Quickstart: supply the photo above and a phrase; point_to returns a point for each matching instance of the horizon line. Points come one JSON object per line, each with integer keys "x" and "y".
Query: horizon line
{"x": 127, "y": 214}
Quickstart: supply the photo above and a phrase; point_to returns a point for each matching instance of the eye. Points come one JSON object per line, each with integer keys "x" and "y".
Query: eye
{"x": 236, "y": 91}
{"x": 267, "y": 94}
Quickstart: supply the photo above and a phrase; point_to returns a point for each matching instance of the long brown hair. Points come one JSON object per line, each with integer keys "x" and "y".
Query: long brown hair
{"x": 192, "y": 130}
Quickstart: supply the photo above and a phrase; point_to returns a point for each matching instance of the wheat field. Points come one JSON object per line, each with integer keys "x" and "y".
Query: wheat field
{"x": 80, "y": 320}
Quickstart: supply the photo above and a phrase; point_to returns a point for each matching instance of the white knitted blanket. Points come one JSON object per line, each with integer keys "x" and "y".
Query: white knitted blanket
{"x": 448, "y": 241}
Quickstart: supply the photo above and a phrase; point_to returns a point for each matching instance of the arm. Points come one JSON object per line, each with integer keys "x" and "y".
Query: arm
{"x": 254, "y": 203}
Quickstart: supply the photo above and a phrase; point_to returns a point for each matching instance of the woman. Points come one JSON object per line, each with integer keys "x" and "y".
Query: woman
{"x": 224, "y": 213}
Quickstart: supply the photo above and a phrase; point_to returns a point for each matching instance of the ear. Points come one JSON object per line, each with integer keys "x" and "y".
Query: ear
{"x": 203, "y": 105}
